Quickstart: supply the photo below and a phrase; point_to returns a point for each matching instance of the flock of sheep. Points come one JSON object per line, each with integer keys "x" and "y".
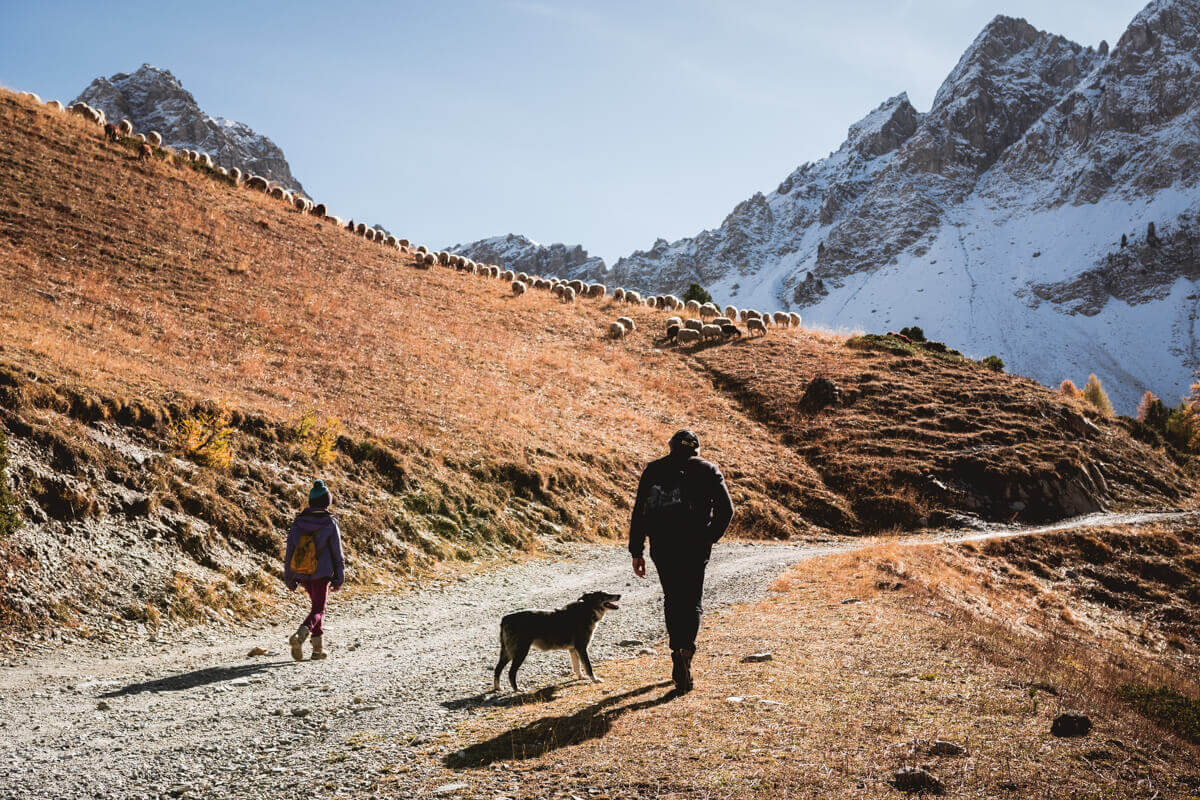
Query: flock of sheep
{"x": 705, "y": 321}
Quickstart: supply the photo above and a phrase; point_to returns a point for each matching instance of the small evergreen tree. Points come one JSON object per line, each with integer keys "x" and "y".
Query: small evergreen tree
{"x": 915, "y": 333}
{"x": 994, "y": 363}
{"x": 1094, "y": 393}
{"x": 1153, "y": 412}
{"x": 1124, "y": 241}
{"x": 1181, "y": 430}
{"x": 697, "y": 292}
{"x": 9, "y": 519}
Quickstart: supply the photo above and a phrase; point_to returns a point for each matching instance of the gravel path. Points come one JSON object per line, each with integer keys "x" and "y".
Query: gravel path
{"x": 206, "y": 721}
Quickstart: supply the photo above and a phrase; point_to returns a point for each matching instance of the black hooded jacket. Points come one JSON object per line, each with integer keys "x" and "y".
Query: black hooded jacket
{"x": 681, "y": 501}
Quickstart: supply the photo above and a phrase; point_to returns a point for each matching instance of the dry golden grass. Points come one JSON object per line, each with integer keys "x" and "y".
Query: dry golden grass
{"x": 154, "y": 280}
{"x": 853, "y": 691}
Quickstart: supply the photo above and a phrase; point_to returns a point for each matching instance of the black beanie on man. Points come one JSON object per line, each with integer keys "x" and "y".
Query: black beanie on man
{"x": 684, "y": 443}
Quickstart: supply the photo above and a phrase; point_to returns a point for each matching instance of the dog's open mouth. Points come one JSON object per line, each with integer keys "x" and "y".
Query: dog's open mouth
{"x": 611, "y": 604}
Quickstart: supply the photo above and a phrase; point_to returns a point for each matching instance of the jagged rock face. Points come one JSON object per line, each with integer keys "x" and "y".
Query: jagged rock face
{"x": 521, "y": 254}
{"x": 154, "y": 100}
{"x": 994, "y": 220}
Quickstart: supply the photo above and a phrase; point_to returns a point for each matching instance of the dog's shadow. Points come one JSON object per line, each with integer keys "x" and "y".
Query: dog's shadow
{"x": 550, "y": 733}
{"x": 493, "y": 700}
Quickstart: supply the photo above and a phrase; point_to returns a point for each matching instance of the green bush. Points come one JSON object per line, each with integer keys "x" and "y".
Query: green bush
{"x": 1094, "y": 393}
{"x": 915, "y": 333}
{"x": 1181, "y": 428}
{"x": 994, "y": 363}
{"x": 9, "y": 519}
{"x": 698, "y": 293}
{"x": 1167, "y": 707}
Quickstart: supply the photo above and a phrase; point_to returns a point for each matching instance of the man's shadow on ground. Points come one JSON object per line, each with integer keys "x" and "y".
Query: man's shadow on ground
{"x": 550, "y": 733}
{"x": 198, "y": 677}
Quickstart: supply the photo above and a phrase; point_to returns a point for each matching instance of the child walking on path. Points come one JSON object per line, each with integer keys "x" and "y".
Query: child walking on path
{"x": 314, "y": 560}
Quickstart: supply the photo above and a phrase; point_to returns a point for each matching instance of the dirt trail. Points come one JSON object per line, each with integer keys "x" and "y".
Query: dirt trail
{"x": 201, "y": 719}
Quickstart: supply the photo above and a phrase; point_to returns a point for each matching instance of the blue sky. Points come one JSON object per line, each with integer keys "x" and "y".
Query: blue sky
{"x": 605, "y": 124}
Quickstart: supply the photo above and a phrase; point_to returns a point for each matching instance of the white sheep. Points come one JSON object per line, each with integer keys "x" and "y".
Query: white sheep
{"x": 508, "y": 275}
{"x": 518, "y": 288}
{"x": 257, "y": 183}
{"x": 652, "y": 302}
{"x": 766, "y": 318}
{"x": 694, "y": 324}
{"x": 749, "y": 314}
{"x": 627, "y": 322}
{"x": 125, "y": 127}
{"x": 55, "y": 105}
{"x": 597, "y": 290}
{"x": 781, "y": 318}
{"x": 632, "y": 297}
{"x": 336, "y": 220}
{"x": 687, "y": 336}
{"x": 711, "y": 332}
{"x": 708, "y": 311}
{"x": 155, "y": 138}
{"x": 223, "y": 171}
{"x": 616, "y": 330}
{"x": 731, "y": 312}
{"x": 722, "y": 321}
{"x": 674, "y": 321}
{"x": 755, "y": 324}
{"x": 32, "y": 97}
{"x": 577, "y": 285}
{"x": 141, "y": 137}
{"x": 795, "y": 319}
{"x": 674, "y": 303}
{"x": 568, "y": 294}
{"x": 618, "y": 295}
{"x": 692, "y": 306}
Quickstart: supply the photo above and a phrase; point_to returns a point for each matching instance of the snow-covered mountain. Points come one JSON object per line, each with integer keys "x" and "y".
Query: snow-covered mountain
{"x": 522, "y": 254}
{"x": 995, "y": 220}
{"x": 154, "y": 100}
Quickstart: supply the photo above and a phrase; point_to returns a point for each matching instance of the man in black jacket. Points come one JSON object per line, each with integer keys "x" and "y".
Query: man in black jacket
{"x": 684, "y": 507}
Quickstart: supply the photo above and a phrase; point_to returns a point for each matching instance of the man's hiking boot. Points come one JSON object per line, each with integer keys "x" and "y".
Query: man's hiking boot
{"x": 318, "y": 648}
{"x": 296, "y": 640}
{"x": 681, "y": 671}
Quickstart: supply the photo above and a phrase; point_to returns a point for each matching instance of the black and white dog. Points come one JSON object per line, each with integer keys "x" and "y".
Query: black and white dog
{"x": 567, "y": 628}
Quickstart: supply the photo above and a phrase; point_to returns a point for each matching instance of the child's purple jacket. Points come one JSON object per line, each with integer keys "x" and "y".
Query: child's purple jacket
{"x": 330, "y": 563}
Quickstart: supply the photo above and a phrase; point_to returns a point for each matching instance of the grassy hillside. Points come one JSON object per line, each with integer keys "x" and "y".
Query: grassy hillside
{"x": 142, "y": 298}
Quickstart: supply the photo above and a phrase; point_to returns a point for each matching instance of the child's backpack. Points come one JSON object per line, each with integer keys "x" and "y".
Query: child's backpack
{"x": 304, "y": 557}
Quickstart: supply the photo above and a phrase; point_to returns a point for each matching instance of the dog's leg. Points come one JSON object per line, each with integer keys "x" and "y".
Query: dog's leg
{"x": 587, "y": 664}
{"x": 575, "y": 663}
{"x": 500, "y": 667}
{"x": 518, "y": 656}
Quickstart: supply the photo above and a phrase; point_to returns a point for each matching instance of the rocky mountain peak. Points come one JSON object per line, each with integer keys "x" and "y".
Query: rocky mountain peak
{"x": 885, "y": 128}
{"x": 522, "y": 254}
{"x": 154, "y": 99}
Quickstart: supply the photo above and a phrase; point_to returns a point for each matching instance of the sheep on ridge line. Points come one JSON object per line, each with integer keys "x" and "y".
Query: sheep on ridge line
{"x": 731, "y": 312}
{"x": 781, "y": 318}
{"x": 145, "y": 153}
{"x": 722, "y": 321}
{"x": 616, "y": 330}
{"x": 693, "y": 324}
{"x": 618, "y": 294}
{"x": 755, "y": 324}
{"x": 692, "y": 306}
{"x": 687, "y": 336}
{"x": 125, "y": 127}
{"x": 672, "y": 332}
{"x": 597, "y": 290}
{"x": 568, "y": 294}
{"x": 711, "y": 332}
{"x": 236, "y": 174}
{"x": 518, "y": 288}
{"x": 320, "y": 210}
{"x": 795, "y": 319}
{"x": 206, "y": 160}
{"x": 155, "y": 139}
{"x": 731, "y": 330}
{"x": 632, "y": 297}
{"x": 55, "y": 105}
{"x": 508, "y": 275}
{"x": 578, "y": 286}
{"x": 428, "y": 259}
{"x": 627, "y": 322}
{"x": 257, "y": 183}
{"x": 673, "y": 321}
{"x": 32, "y": 96}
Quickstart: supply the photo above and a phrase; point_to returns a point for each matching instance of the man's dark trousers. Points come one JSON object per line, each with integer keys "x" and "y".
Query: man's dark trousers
{"x": 681, "y": 572}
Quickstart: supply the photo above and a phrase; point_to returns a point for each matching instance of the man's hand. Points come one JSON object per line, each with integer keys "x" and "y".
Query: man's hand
{"x": 639, "y": 567}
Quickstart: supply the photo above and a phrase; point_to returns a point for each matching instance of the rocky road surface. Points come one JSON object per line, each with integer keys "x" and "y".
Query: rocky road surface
{"x": 203, "y": 719}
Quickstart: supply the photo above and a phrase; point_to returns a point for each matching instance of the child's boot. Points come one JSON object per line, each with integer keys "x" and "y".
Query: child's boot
{"x": 296, "y": 640}
{"x": 318, "y": 648}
